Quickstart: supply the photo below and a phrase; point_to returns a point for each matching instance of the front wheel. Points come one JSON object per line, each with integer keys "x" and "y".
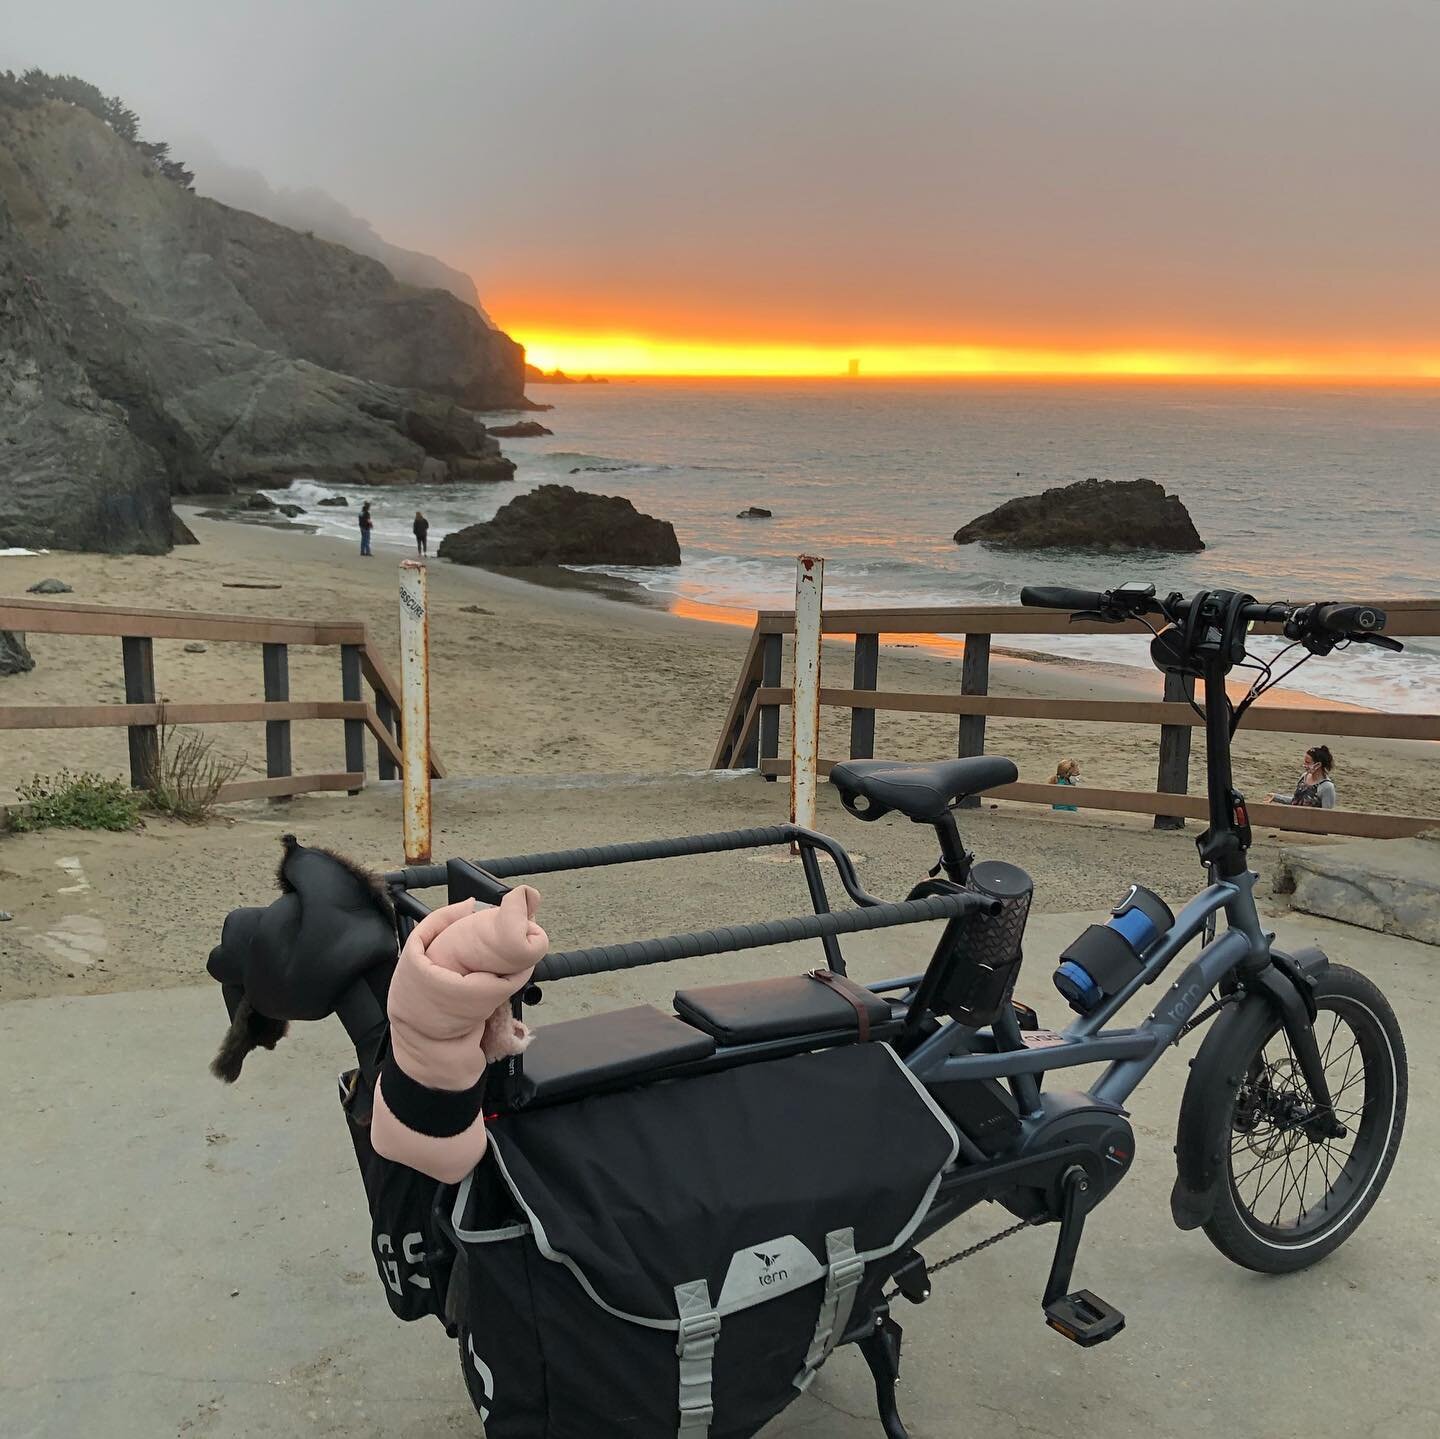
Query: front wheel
{"x": 1286, "y": 1195}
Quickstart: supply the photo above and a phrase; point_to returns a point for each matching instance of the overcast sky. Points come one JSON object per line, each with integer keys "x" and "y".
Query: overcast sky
{"x": 1028, "y": 171}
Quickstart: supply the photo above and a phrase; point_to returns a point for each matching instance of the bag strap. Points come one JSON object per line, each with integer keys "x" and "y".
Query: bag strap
{"x": 699, "y": 1331}
{"x": 838, "y": 984}
{"x": 842, "y": 1284}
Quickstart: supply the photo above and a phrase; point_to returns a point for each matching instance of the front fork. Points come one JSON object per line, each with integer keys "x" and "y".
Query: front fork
{"x": 1291, "y": 992}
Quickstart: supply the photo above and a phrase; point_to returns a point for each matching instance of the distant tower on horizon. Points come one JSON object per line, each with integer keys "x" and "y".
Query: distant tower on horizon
{"x": 854, "y": 369}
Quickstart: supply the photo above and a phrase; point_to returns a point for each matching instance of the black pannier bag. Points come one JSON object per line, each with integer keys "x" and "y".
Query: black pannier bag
{"x": 677, "y": 1261}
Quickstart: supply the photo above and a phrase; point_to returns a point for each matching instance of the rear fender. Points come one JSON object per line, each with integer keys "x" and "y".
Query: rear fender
{"x": 1199, "y": 1149}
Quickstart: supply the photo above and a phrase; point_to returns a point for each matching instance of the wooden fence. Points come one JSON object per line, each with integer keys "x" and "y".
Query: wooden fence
{"x": 750, "y": 734}
{"x": 142, "y": 714}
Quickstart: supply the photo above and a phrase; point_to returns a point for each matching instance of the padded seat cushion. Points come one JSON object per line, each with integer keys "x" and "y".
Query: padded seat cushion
{"x": 924, "y": 792}
{"x": 602, "y": 1051}
{"x": 785, "y": 1008}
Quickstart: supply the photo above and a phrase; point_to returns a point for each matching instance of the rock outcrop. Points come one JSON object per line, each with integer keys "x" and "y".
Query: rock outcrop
{"x": 15, "y": 656}
{"x": 559, "y": 525}
{"x": 154, "y": 342}
{"x": 521, "y": 429}
{"x": 72, "y": 473}
{"x": 1089, "y": 515}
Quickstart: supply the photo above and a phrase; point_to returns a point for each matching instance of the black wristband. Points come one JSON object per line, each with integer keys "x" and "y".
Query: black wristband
{"x": 437, "y": 1113}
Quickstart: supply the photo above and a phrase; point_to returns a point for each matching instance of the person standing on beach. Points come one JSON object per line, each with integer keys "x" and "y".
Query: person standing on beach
{"x": 422, "y": 529}
{"x": 366, "y": 525}
{"x": 1315, "y": 790}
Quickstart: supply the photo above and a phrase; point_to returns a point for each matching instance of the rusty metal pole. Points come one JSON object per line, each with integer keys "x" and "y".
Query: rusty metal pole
{"x": 415, "y": 709}
{"x": 805, "y": 704}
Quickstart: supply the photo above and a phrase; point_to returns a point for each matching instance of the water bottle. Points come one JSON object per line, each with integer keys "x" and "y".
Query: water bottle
{"x": 1109, "y": 956}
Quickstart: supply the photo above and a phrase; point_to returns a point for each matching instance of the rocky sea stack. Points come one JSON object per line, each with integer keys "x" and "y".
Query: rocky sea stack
{"x": 559, "y": 525}
{"x": 1089, "y": 515}
{"x": 153, "y": 342}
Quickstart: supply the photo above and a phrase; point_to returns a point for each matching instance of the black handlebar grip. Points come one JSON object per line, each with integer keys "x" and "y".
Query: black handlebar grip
{"x": 1349, "y": 619}
{"x": 1061, "y": 597}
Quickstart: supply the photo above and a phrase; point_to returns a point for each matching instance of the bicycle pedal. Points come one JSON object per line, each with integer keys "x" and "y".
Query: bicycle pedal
{"x": 1084, "y": 1318}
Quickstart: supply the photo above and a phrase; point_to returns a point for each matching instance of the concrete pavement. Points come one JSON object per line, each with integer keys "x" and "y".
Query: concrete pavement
{"x": 180, "y": 1259}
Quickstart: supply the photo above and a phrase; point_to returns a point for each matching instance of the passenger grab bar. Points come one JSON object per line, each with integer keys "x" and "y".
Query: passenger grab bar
{"x": 567, "y": 964}
{"x": 429, "y": 876}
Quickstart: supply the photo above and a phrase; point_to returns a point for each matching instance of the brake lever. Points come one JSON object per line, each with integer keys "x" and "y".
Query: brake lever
{"x": 1381, "y": 642}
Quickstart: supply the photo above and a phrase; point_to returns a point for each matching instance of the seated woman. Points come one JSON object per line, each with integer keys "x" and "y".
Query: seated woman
{"x": 1067, "y": 772}
{"x": 1315, "y": 789}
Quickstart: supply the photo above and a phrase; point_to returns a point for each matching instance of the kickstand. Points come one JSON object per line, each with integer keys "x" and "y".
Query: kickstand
{"x": 881, "y": 1348}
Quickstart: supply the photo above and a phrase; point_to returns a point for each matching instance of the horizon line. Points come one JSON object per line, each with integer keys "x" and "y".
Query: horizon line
{"x": 1237, "y": 377}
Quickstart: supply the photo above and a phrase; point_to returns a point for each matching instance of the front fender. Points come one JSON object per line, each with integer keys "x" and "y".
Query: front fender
{"x": 1216, "y": 1073}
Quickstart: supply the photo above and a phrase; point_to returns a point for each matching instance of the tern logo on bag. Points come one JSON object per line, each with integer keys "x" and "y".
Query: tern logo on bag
{"x": 766, "y": 1270}
{"x": 770, "y": 1275}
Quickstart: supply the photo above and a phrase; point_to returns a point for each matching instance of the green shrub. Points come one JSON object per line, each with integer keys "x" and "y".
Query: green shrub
{"x": 188, "y": 775}
{"x": 76, "y": 801}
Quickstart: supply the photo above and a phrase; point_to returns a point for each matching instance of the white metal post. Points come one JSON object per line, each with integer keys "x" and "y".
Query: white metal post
{"x": 415, "y": 709}
{"x": 805, "y": 706}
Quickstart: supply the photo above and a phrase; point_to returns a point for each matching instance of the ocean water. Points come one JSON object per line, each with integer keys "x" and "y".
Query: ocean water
{"x": 1314, "y": 492}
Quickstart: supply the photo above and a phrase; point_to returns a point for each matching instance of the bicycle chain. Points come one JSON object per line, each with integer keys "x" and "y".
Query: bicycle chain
{"x": 969, "y": 1253}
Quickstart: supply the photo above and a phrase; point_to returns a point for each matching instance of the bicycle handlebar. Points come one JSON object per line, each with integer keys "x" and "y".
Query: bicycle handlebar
{"x": 1061, "y": 597}
{"x": 1335, "y": 621}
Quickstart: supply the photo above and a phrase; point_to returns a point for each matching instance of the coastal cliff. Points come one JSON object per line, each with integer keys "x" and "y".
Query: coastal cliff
{"x": 156, "y": 343}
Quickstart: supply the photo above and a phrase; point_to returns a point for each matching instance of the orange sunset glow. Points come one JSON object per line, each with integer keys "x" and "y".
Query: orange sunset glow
{"x": 618, "y": 353}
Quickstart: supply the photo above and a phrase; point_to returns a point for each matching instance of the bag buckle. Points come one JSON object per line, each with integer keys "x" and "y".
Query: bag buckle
{"x": 848, "y": 1273}
{"x": 697, "y": 1330}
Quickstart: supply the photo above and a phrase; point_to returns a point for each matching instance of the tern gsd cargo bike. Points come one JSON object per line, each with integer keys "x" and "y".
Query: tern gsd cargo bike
{"x": 683, "y": 1212}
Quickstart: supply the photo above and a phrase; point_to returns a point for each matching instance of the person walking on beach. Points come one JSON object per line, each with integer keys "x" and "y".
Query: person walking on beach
{"x": 366, "y": 525}
{"x": 422, "y": 529}
{"x": 1067, "y": 772}
{"x": 1315, "y": 790}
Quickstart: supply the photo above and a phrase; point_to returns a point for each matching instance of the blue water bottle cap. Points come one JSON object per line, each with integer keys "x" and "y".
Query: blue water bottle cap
{"x": 1075, "y": 984}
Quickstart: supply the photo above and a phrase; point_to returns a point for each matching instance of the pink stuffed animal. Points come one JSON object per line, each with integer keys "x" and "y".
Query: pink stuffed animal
{"x": 450, "y": 1015}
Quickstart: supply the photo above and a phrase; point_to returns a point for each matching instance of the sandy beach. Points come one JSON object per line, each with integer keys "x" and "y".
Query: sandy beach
{"x": 529, "y": 680}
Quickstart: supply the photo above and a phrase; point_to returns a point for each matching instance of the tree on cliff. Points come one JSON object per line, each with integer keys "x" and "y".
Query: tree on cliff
{"x": 72, "y": 90}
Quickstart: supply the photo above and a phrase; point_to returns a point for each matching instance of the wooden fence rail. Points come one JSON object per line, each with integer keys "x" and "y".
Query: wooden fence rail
{"x": 143, "y": 714}
{"x": 751, "y": 728}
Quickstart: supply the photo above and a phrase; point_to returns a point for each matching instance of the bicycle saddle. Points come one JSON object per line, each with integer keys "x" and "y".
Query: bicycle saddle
{"x": 922, "y": 791}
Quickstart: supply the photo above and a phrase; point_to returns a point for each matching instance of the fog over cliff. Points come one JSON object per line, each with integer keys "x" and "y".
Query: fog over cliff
{"x": 312, "y": 209}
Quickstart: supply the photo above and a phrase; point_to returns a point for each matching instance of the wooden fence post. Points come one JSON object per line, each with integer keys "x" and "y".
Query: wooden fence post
{"x": 139, "y": 656}
{"x": 805, "y": 701}
{"x": 415, "y": 702}
{"x": 386, "y": 712}
{"x": 351, "y": 689}
{"x": 1175, "y": 750}
{"x": 275, "y": 662}
{"x": 862, "y": 721}
{"x": 974, "y": 680}
{"x": 772, "y": 649}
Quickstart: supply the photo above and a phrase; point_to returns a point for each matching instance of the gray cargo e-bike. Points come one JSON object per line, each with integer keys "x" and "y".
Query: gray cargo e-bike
{"x": 1295, "y": 1104}
{"x": 1289, "y": 1125}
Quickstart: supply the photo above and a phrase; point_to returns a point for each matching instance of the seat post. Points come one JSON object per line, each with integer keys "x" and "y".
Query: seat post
{"x": 954, "y": 858}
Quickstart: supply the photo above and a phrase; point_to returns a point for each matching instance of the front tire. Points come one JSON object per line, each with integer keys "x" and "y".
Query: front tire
{"x": 1285, "y": 1197}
